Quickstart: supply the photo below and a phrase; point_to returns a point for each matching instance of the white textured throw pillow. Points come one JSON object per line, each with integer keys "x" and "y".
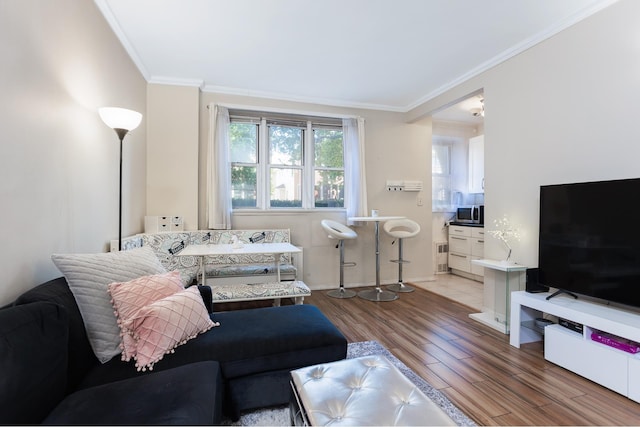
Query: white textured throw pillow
{"x": 89, "y": 275}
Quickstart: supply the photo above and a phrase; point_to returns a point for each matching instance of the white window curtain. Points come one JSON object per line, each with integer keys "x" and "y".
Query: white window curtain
{"x": 218, "y": 170}
{"x": 355, "y": 192}
{"x": 443, "y": 179}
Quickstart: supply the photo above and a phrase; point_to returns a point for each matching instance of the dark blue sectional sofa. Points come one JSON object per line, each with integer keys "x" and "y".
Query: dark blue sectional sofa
{"x": 51, "y": 375}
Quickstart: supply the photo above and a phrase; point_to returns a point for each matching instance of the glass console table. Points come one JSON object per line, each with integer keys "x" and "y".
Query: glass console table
{"x": 505, "y": 282}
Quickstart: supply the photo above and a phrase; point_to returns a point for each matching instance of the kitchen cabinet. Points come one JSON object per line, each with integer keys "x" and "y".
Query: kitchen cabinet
{"x": 466, "y": 243}
{"x": 476, "y": 164}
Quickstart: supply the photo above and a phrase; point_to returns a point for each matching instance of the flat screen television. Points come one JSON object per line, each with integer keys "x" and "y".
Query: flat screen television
{"x": 589, "y": 244}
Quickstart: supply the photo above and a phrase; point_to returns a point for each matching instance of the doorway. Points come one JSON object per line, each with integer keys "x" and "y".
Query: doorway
{"x": 454, "y": 126}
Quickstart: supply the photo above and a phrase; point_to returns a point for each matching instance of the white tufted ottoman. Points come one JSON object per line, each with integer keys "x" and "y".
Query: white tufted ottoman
{"x": 364, "y": 391}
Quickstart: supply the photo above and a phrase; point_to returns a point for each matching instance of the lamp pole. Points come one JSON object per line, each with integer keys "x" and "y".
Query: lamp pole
{"x": 121, "y": 134}
{"x": 121, "y": 121}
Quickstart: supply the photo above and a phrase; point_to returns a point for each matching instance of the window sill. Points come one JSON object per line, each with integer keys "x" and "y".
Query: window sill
{"x": 285, "y": 211}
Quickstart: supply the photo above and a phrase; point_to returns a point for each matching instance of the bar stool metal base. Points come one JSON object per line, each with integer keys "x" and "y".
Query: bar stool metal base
{"x": 341, "y": 293}
{"x": 377, "y": 294}
{"x": 400, "y": 287}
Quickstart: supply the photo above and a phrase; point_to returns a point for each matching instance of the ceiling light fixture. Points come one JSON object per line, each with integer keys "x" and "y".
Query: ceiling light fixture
{"x": 478, "y": 112}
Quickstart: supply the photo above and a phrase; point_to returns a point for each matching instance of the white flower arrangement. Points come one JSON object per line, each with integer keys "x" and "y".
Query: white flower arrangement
{"x": 505, "y": 232}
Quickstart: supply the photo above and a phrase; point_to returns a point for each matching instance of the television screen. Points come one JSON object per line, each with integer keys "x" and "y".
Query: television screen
{"x": 587, "y": 244}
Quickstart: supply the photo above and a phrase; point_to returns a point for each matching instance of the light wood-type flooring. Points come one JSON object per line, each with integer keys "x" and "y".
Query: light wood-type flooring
{"x": 472, "y": 364}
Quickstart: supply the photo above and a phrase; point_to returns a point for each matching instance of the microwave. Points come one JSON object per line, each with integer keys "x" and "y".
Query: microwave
{"x": 470, "y": 214}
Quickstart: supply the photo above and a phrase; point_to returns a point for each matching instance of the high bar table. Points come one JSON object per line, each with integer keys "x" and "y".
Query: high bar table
{"x": 376, "y": 294}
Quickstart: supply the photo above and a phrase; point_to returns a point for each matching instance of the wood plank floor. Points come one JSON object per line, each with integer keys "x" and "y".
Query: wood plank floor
{"x": 474, "y": 366}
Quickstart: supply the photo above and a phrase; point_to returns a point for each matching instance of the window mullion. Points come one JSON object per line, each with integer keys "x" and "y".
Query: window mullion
{"x": 308, "y": 177}
{"x": 263, "y": 165}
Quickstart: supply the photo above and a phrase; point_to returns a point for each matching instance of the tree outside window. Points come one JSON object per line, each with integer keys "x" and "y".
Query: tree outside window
{"x": 329, "y": 168}
{"x": 286, "y": 163}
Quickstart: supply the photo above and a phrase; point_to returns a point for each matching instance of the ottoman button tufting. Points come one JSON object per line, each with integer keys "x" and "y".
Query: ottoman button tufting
{"x": 364, "y": 391}
{"x": 317, "y": 374}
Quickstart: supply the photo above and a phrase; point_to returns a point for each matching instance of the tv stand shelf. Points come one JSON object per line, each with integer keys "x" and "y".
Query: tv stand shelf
{"x": 615, "y": 369}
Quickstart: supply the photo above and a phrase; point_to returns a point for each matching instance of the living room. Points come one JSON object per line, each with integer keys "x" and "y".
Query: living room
{"x": 570, "y": 94}
{"x": 562, "y": 111}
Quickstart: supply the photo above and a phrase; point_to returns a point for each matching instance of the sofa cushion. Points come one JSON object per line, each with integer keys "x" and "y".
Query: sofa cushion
{"x": 166, "y": 324}
{"x": 81, "y": 356}
{"x": 249, "y": 342}
{"x": 186, "y": 395}
{"x": 129, "y": 297}
{"x": 275, "y": 338}
{"x": 33, "y": 361}
{"x": 88, "y": 276}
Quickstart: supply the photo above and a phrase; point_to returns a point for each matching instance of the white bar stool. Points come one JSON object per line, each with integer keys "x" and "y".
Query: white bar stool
{"x": 401, "y": 229}
{"x": 340, "y": 232}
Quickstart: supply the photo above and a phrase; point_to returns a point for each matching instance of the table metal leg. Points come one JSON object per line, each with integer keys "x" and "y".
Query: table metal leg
{"x": 377, "y": 294}
{"x": 278, "y": 266}
{"x": 204, "y": 283}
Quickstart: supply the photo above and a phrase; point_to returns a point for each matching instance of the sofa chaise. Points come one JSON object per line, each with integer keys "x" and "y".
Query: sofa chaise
{"x": 52, "y": 376}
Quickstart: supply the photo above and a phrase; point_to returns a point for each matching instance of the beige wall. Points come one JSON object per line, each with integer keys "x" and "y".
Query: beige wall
{"x": 394, "y": 150}
{"x": 581, "y": 87}
{"x": 59, "y": 162}
{"x": 563, "y": 111}
{"x": 172, "y": 152}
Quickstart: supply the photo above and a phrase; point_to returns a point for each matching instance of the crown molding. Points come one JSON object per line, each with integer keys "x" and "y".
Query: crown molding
{"x": 175, "y": 81}
{"x": 303, "y": 99}
{"x": 498, "y": 59}
{"x": 513, "y": 51}
{"x": 113, "y": 23}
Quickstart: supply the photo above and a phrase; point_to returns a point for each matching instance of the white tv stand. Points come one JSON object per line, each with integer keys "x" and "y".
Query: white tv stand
{"x": 612, "y": 368}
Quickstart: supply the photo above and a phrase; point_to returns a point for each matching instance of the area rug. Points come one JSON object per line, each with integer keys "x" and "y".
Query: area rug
{"x": 280, "y": 416}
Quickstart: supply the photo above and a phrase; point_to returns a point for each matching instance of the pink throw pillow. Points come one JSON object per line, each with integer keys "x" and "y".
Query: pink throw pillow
{"x": 129, "y": 297}
{"x": 167, "y": 323}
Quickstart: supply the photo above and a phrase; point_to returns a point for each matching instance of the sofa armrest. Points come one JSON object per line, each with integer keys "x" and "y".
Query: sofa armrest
{"x": 207, "y": 297}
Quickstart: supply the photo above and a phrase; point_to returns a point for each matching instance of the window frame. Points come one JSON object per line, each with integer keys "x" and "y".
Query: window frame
{"x": 264, "y": 165}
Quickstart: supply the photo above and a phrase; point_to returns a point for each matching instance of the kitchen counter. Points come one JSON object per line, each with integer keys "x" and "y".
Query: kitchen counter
{"x": 466, "y": 224}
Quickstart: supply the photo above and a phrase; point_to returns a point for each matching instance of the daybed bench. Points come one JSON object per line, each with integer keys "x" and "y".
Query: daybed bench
{"x": 232, "y": 277}
{"x": 51, "y": 374}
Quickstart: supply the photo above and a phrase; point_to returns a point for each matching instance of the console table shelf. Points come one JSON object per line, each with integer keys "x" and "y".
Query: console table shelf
{"x": 610, "y": 367}
{"x": 498, "y": 281}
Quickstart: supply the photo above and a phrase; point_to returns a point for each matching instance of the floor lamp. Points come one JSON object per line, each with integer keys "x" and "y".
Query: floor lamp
{"x": 122, "y": 121}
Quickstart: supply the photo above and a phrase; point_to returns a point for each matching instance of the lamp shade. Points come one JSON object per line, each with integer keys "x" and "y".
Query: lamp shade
{"x": 120, "y": 118}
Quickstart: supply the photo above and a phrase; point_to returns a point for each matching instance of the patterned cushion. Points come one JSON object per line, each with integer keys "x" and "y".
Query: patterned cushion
{"x": 88, "y": 276}
{"x": 167, "y": 323}
{"x": 247, "y": 269}
{"x": 242, "y": 292}
{"x": 247, "y": 237}
{"x": 167, "y": 246}
{"x": 129, "y": 297}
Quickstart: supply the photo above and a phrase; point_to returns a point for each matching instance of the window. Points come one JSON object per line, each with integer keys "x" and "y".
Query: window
{"x": 286, "y": 162}
{"x": 441, "y": 175}
{"x": 243, "y": 143}
{"x": 329, "y": 168}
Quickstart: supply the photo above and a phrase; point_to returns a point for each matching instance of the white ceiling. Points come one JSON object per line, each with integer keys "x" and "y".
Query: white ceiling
{"x": 382, "y": 54}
